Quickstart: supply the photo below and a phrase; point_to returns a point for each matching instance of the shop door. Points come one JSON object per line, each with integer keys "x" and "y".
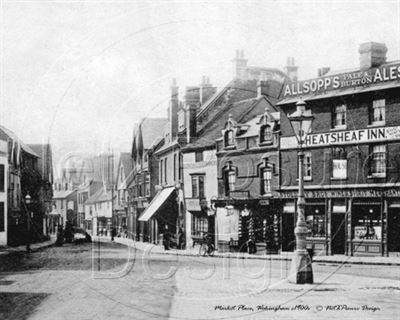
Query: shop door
{"x": 394, "y": 230}
{"x": 288, "y": 238}
{"x": 338, "y": 233}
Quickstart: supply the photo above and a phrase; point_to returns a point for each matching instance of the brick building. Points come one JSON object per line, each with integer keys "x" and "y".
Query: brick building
{"x": 351, "y": 162}
{"x": 247, "y": 207}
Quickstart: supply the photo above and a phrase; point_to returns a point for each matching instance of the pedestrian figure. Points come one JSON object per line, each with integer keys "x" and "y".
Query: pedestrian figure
{"x": 60, "y": 236}
{"x": 166, "y": 238}
{"x": 181, "y": 239}
{"x": 251, "y": 246}
{"x": 112, "y": 233}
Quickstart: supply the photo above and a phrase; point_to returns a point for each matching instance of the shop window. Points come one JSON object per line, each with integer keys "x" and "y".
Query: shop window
{"x": 2, "y": 177}
{"x": 265, "y": 133}
{"x": 378, "y": 112}
{"x": 339, "y": 164}
{"x": 147, "y": 185}
{"x": 2, "y": 217}
{"x": 175, "y": 164}
{"x": 378, "y": 161}
{"x": 367, "y": 224}
{"x": 180, "y": 166}
{"x": 199, "y": 156}
{"x": 229, "y": 141}
{"x": 266, "y": 176}
{"x": 199, "y": 225}
{"x": 307, "y": 166}
{"x": 339, "y": 116}
{"x": 165, "y": 171}
{"x": 161, "y": 170}
{"x": 198, "y": 186}
{"x": 315, "y": 218}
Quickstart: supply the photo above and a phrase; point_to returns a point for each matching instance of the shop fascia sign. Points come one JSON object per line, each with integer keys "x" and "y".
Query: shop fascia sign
{"x": 355, "y": 193}
{"x": 369, "y": 135}
{"x": 345, "y": 80}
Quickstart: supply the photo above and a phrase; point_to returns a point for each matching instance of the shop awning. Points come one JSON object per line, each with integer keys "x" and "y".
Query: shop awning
{"x": 156, "y": 203}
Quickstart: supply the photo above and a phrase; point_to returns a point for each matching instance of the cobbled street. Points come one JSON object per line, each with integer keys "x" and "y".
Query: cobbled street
{"x": 65, "y": 283}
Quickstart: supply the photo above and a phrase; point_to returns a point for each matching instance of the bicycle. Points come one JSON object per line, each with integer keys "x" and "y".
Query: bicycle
{"x": 206, "y": 249}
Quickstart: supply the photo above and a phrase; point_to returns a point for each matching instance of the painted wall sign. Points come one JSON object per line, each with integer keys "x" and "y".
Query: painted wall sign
{"x": 339, "y": 168}
{"x": 345, "y": 80}
{"x": 353, "y": 193}
{"x": 368, "y": 135}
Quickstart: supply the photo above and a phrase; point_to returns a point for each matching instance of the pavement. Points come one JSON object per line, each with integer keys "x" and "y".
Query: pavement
{"x": 285, "y": 256}
{"x": 65, "y": 283}
{"x": 22, "y": 248}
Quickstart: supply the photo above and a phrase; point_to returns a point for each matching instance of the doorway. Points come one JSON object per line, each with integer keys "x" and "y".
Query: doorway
{"x": 338, "y": 223}
{"x": 394, "y": 230}
{"x": 287, "y": 232}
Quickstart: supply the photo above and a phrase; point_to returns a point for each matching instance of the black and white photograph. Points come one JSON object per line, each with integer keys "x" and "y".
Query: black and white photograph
{"x": 199, "y": 159}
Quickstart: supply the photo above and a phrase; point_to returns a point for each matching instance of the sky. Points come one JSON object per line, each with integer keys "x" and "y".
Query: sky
{"x": 80, "y": 74}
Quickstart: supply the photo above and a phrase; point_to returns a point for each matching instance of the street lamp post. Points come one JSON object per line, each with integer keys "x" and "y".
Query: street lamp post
{"x": 28, "y": 201}
{"x": 301, "y": 268}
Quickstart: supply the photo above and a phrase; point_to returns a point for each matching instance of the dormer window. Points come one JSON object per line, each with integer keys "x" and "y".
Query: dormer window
{"x": 229, "y": 141}
{"x": 266, "y": 133}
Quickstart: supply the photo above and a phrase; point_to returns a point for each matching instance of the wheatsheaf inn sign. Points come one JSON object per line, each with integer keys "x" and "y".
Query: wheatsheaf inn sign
{"x": 345, "y": 137}
{"x": 345, "y": 80}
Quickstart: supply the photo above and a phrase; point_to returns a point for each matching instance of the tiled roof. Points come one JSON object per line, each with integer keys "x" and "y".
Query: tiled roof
{"x": 100, "y": 196}
{"x": 45, "y": 164}
{"x": 57, "y": 194}
{"x": 212, "y": 131}
{"x": 152, "y": 129}
{"x": 9, "y": 134}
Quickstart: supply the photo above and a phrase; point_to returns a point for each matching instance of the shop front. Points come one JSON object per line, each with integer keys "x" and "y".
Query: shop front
{"x": 362, "y": 222}
{"x": 251, "y": 226}
{"x": 160, "y": 217}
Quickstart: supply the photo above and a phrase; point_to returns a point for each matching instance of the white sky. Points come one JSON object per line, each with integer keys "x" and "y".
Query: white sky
{"x": 81, "y": 73}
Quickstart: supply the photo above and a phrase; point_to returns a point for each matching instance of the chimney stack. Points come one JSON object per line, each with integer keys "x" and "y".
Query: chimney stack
{"x": 206, "y": 89}
{"x": 239, "y": 65}
{"x": 262, "y": 86}
{"x": 173, "y": 110}
{"x": 323, "y": 71}
{"x": 192, "y": 102}
{"x": 291, "y": 69}
{"x": 372, "y": 54}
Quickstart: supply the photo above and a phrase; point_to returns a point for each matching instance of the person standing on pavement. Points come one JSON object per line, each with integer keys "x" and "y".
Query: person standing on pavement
{"x": 181, "y": 239}
{"x": 166, "y": 238}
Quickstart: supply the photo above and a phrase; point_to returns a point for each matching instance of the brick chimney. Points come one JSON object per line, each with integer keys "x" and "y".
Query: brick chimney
{"x": 291, "y": 69}
{"x": 173, "y": 110}
{"x": 262, "y": 87}
{"x": 206, "y": 89}
{"x": 323, "y": 71}
{"x": 372, "y": 54}
{"x": 192, "y": 103}
{"x": 239, "y": 64}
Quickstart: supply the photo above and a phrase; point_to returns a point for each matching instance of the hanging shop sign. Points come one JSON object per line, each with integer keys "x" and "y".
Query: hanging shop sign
{"x": 344, "y": 80}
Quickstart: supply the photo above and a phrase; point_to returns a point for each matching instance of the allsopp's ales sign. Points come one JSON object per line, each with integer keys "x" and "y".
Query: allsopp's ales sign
{"x": 345, "y": 80}
{"x": 369, "y": 135}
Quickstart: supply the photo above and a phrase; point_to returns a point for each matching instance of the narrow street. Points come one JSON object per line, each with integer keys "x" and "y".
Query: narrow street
{"x": 65, "y": 283}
